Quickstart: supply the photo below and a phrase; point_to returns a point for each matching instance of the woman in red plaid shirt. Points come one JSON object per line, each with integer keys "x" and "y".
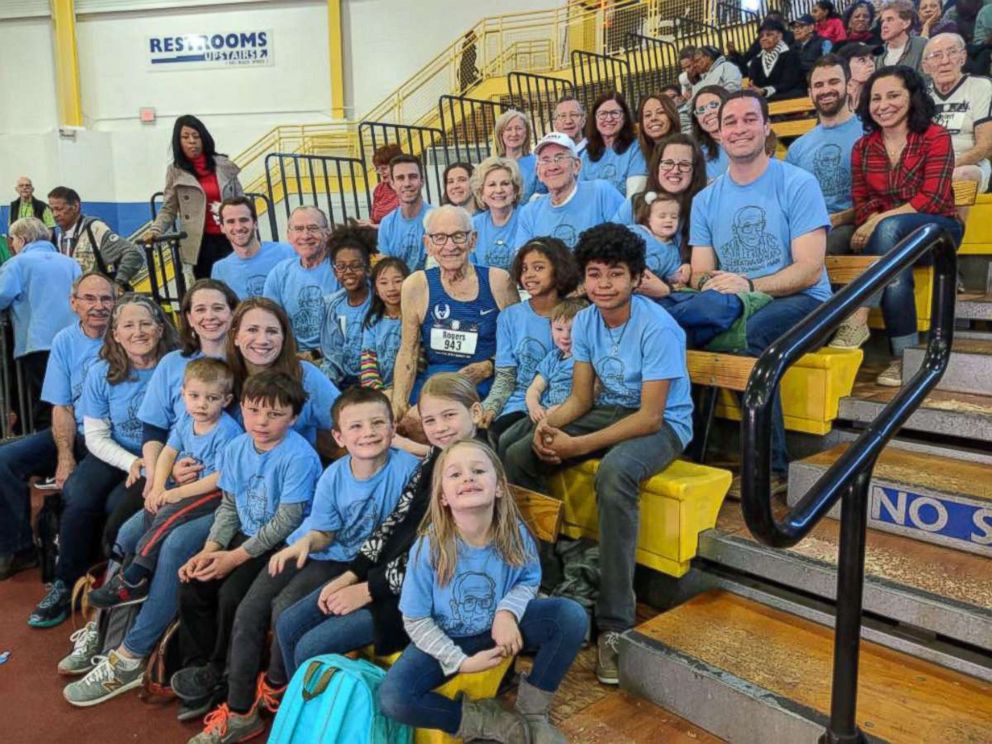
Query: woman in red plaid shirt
{"x": 900, "y": 180}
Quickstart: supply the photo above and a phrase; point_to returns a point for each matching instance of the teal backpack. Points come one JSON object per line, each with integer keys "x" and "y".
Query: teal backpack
{"x": 331, "y": 699}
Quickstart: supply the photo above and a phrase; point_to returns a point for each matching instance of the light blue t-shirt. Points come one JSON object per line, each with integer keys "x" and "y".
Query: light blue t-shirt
{"x": 625, "y": 214}
{"x": 204, "y": 448}
{"x": 383, "y": 337}
{"x": 613, "y": 167}
{"x": 466, "y": 605}
{"x": 591, "y": 203}
{"x": 826, "y": 153}
{"x": 353, "y": 508}
{"x": 117, "y": 403}
{"x": 341, "y": 336}
{"x": 163, "y": 404}
{"x": 246, "y": 276}
{"x": 73, "y": 354}
{"x": 35, "y": 284}
{"x": 301, "y": 292}
{"x": 522, "y": 340}
{"x": 662, "y": 258}
{"x": 649, "y": 346}
{"x": 495, "y": 246}
{"x": 751, "y": 227}
{"x": 316, "y": 413}
{"x": 404, "y": 238}
{"x": 528, "y": 176}
{"x": 717, "y": 166}
{"x": 556, "y": 369}
{"x": 260, "y": 481}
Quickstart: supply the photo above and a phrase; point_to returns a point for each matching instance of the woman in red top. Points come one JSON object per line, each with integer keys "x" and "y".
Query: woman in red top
{"x": 196, "y": 182}
{"x": 900, "y": 180}
{"x": 828, "y": 24}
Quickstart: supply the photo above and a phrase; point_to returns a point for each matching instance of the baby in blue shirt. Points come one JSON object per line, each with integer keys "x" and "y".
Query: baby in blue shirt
{"x": 200, "y": 434}
{"x": 657, "y": 219}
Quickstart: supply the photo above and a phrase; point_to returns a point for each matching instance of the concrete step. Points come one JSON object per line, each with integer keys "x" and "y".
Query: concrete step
{"x": 959, "y": 415}
{"x": 942, "y": 591}
{"x": 927, "y": 497}
{"x": 974, "y": 306}
{"x": 750, "y": 673}
{"x": 970, "y": 367}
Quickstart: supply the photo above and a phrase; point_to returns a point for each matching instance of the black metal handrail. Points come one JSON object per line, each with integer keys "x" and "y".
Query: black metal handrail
{"x": 849, "y": 477}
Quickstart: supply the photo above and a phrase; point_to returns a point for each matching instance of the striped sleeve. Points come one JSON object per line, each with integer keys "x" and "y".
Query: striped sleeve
{"x": 428, "y": 636}
{"x": 368, "y": 373}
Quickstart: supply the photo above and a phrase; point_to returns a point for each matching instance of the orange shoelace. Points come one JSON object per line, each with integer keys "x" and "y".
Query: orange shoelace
{"x": 217, "y": 720}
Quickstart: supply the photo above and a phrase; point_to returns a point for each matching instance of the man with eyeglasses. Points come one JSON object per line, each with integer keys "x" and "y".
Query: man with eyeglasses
{"x": 964, "y": 107}
{"x": 300, "y": 283}
{"x": 58, "y": 449}
{"x": 570, "y": 119}
{"x": 251, "y": 260}
{"x": 350, "y": 249}
{"x": 570, "y": 206}
{"x": 401, "y": 232}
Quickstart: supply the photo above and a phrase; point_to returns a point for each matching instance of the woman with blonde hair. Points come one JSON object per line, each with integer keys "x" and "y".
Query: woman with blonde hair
{"x": 513, "y": 139}
{"x": 498, "y": 187}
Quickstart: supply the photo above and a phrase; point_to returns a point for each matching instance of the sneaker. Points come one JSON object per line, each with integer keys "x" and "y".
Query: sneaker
{"x": 86, "y": 642}
{"x": 850, "y": 336}
{"x": 53, "y": 609}
{"x": 608, "y": 658}
{"x": 891, "y": 376}
{"x": 116, "y": 592}
{"x": 195, "y": 683}
{"x": 268, "y": 697}
{"x": 107, "y": 679}
{"x": 48, "y": 484}
{"x": 196, "y": 709}
{"x": 223, "y": 726}
{"x": 12, "y": 563}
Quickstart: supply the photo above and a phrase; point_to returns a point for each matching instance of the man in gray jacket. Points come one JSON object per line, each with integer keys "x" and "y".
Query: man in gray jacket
{"x": 91, "y": 241}
{"x": 714, "y": 69}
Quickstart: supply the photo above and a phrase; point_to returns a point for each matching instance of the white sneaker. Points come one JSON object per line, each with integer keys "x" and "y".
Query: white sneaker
{"x": 87, "y": 645}
{"x": 850, "y": 336}
{"x": 891, "y": 376}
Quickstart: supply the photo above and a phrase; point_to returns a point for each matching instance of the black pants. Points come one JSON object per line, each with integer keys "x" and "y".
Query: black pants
{"x": 132, "y": 501}
{"x": 33, "y": 370}
{"x": 207, "y": 609}
{"x": 499, "y": 426}
{"x": 212, "y": 249}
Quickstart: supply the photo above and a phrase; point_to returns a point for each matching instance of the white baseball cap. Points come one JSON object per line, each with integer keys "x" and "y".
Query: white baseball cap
{"x": 560, "y": 139}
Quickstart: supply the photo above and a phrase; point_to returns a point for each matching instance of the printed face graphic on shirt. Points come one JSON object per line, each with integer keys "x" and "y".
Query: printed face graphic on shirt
{"x": 309, "y": 315}
{"x": 752, "y": 249}
{"x": 352, "y": 333}
{"x": 256, "y": 501}
{"x": 473, "y": 601}
{"x": 498, "y": 254}
{"x": 132, "y": 427}
{"x": 827, "y": 170}
{"x": 360, "y": 519}
{"x": 390, "y": 344}
{"x": 611, "y": 373}
{"x": 530, "y": 352}
{"x": 254, "y": 285}
{"x": 565, "y": 233}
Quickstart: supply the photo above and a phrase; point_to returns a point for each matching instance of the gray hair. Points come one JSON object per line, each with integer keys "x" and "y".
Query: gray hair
{"x": 449, "y": 209}
{"x": 312, "y": 208}
{"x": 494, "y": 163}
{"x": 99, "y": 275}
{"x": 905, "y": 8}
{"x": 958, "y": 40}
{"x": 569, "y": 98}
{"x": 30, "y": 229}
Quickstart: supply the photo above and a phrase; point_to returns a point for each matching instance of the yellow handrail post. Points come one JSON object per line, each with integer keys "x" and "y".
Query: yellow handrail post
{"x": 67, "y": 63}
{"x": 336, "y": 50}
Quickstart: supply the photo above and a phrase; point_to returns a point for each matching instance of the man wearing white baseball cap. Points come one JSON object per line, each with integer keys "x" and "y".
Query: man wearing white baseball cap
{"x": 570, "y": 206}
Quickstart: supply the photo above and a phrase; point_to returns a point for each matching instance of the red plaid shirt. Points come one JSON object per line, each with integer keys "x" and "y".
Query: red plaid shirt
{"x": 922, "y": 177}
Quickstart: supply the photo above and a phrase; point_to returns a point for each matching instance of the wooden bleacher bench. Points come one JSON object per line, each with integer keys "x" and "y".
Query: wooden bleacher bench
{"x": 792, "y": 127}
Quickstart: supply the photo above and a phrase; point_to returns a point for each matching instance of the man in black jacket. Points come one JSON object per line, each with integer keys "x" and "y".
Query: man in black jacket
{"x": 809, "y": 44}
{"x": 25, "y": 205}
{"x": 776, "y": 72}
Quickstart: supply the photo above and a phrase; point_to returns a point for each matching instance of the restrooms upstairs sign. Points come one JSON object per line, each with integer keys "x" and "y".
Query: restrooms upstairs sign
{"x": 217, "y": 49}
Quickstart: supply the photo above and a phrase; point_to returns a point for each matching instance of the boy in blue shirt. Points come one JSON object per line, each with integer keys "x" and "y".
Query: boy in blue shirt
{"x": 638, "y": 424}
{"x": 353, "y": 496}
{"x": 267, "y": 476}
{"x": 341, "y": 334}
{"x": 201, "y": 434}
{"x": 250, "y": 262}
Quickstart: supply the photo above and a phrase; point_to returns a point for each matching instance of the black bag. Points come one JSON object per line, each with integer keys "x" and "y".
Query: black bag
{"x": 46, "y": 530}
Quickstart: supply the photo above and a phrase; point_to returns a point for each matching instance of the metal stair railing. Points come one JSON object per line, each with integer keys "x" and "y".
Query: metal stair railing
{"x": 848, "y": 479}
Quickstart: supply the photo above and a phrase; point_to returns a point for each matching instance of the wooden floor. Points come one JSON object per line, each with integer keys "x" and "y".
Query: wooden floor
{"x": 900, "y": 698}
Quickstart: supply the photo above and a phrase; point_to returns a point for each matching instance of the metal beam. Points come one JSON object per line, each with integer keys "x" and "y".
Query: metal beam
{"x": 66, "y": 63}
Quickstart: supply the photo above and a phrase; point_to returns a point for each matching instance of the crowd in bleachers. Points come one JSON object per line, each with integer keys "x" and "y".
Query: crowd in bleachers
{"x": 324, "y": 446}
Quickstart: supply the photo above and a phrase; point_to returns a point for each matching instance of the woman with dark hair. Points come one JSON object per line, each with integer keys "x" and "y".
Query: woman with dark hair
{"x": 828, "y": 23}
{"x": 612, "y": 154}
{"x": 545, "y": 268}
{"x": 138, "y": 336}
{"x": 901, "y": 173}
{"x": 705, "y": 110}
{"x": 657, "y": 117}
{"x": 859, "y": 20}
{"x": 381, "y": 328}
{"x": 196, "y": 182}
{"x": 457, "y": 180}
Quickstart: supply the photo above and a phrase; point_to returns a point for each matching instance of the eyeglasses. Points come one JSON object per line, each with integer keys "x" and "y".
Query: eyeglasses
{"x": 349, "y": 268}
{"x": 309, "y": 229}
{"x": 683, "y": 166}
{"x": 711, "y": 106}
{"x": 559, "y": 159}
{"x": 940, "y": 56}
{"x": 95, "y": 299}
{"x": 601, "y": 115}
{"x": 458, "y": 238}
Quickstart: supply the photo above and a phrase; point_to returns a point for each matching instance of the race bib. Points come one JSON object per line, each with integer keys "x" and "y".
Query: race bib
{"x": 454, "y": 342}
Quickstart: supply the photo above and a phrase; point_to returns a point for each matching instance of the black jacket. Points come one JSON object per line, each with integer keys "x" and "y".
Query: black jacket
{"x": 37, "y": 205}
{"x": 786, "y": 76}
{"x": 809, "y": 52}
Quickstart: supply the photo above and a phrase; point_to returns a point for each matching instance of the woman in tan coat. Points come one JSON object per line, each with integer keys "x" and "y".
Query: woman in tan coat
{"x": 196, "y": 182}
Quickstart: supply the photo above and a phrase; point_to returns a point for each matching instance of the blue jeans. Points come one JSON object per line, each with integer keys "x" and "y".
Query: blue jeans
{"x": 553, "y": 628}
{"x": 304, "y": 631}
{"x": 160, "y": 608}
{"x": 91, "y": 493}
{"x": 898, "y": 299}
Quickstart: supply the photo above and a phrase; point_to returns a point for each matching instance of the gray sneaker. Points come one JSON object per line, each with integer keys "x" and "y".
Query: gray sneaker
{"x": 223, "y": 726}
{"x": 608, "y": 658}
{"x": 107, "y": 680}
{"x": 86, "y": 642}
